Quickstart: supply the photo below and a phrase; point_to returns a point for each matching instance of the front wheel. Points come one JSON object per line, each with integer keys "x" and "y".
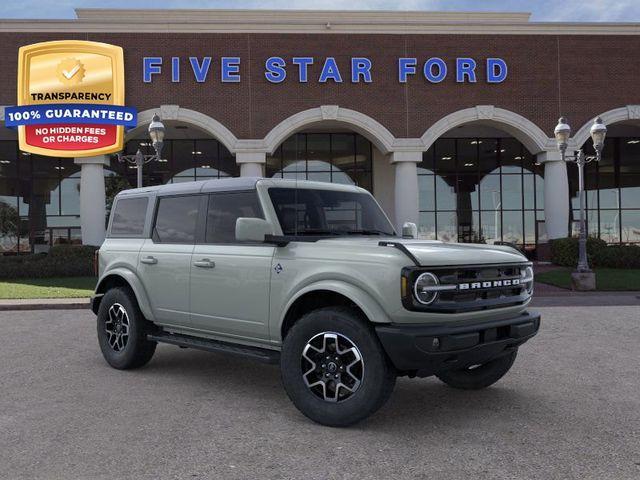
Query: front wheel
{"x": 334, "y": 369}
{"x": 122, "y": 331}
{"x": 477, "y": 377}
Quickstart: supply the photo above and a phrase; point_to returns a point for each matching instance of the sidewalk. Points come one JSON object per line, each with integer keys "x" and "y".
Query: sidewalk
{"x": 44, "y": 304}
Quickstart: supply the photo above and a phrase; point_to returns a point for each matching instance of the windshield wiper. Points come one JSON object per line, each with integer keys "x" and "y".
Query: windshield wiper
{"x": 315, "y": 231}
{"x": 367, "y": 232}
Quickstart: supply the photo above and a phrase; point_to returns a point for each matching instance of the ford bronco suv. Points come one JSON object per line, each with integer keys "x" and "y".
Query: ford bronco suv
{"x": 311, "y": 276}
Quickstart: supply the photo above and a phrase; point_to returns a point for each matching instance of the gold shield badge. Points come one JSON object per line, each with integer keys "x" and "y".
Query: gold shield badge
{"x": 73, "y": 90}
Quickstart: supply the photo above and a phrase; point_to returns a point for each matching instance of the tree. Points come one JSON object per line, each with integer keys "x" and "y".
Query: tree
{"x": 114, "y": 184}
{"x": 9, "y": 221}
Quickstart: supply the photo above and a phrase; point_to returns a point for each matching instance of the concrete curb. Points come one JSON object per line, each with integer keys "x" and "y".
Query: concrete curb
{"x": 45, "y": 304}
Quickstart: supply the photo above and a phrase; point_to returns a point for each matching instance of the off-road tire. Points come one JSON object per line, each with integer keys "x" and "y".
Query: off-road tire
{"x": 378, "y": 375}
{"x": 137, "y": 350}
{"x": 481, "y": 376}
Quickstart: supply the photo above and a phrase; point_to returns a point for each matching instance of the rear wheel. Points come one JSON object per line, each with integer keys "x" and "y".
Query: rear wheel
{"x": 122, "y": 331}
{"x": 477, "y": 377}
{"x": 334, "y": 368}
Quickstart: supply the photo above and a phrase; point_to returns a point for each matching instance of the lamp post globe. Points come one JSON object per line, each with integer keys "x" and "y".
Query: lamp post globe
{"x": 598, "y": 132}
{"x": 156, "y": 133}
{"x": 562, "y": 133}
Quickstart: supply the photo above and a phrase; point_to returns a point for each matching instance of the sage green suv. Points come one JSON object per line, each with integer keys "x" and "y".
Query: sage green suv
{"x": 311, "y": 276}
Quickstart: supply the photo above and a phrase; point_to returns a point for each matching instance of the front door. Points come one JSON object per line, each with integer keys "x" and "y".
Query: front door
{"x": 164, "y": 264}
{"x": 230, "y": 280}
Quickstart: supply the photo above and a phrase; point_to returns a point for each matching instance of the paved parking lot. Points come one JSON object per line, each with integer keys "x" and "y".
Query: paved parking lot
{"x": 570, "y": 408}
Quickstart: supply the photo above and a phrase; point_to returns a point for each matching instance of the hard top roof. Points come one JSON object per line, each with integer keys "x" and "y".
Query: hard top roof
{"x": 231, "y": 184}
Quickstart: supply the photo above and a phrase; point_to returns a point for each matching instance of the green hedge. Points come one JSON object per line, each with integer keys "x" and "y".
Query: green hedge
{"x": 61, "y": 261}
{"x": 564, "y": 252}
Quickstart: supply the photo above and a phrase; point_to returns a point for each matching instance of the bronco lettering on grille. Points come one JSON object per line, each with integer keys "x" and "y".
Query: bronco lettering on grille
{"x": 509, "y": 282}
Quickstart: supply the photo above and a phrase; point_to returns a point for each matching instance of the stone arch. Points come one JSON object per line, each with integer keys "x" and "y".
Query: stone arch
{"x": 197, "y": 119}
{"x": 622, "y": 114}
{"x": 527, "y": 132}
{"x": 382, "y": 138}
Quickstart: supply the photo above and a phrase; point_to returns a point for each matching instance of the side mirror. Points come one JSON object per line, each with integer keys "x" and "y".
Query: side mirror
{"x": 252, "y": 229}
{"x": 409, "y": 230}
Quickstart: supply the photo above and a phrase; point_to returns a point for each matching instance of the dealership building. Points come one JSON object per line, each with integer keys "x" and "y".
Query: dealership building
{"x": 447, "y": 118}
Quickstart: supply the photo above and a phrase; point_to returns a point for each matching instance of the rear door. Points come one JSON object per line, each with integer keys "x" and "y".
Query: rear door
{"x": 164, "y": 263}
{"x": 230, "y": 279}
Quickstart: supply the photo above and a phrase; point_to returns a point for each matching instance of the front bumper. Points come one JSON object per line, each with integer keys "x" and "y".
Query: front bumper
{"x": 424, "y": 350}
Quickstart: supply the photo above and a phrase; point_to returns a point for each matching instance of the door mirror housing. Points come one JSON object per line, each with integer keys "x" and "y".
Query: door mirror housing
{"x": 409, "y": 230}
{"x": 252, "y": 229}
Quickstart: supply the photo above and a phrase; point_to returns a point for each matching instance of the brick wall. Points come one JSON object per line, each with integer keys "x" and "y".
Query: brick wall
{"x": 578, "y": 76}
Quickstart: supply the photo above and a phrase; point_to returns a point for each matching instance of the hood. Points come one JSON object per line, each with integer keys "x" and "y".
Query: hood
{"x": 437, "y": 253}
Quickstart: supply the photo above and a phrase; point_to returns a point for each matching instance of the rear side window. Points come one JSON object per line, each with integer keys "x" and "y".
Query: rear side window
{"x": 128, "y": 216}
{"x": 176, "y": 219}
{"x": 223, "y": 211}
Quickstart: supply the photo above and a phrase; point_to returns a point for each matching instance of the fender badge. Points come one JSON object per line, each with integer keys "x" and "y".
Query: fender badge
{"x": 278, "y": 268}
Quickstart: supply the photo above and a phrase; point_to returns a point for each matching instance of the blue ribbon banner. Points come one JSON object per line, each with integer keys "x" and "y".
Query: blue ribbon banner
{"x": 70, "y": 113}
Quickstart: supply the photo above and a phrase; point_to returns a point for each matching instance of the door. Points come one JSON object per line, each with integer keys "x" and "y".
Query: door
{"x": 229, "y": 279}
{"x": 164, "y": 263}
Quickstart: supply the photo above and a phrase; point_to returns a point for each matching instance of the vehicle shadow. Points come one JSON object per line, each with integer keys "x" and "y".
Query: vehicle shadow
{"x": 415, "y": 403}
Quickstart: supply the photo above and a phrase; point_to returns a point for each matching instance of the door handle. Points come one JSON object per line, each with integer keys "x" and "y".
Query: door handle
{"x": 204, "y": 263}
{"x": 149, "y": 260}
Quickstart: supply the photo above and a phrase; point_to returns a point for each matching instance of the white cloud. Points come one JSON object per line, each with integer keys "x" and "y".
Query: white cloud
{"x": 543, "y": 10}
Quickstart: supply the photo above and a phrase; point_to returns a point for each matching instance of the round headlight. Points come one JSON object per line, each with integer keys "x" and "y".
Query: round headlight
{"x": 422, "y": 288}
{"x": 526, "y": 276}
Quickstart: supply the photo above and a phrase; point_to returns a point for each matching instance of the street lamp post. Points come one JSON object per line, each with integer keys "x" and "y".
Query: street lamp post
{"x": 156, "y": 133}
{"x": 562, "y": 133}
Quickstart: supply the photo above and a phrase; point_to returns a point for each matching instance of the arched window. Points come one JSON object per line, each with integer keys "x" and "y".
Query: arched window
{"x": 480, "y": 190}
{"x": 325, "y": 157}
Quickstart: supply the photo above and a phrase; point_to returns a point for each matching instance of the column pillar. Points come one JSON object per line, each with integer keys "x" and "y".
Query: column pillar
{"x": 406, "y": 187}
{"x": 251, "y": 163}
{"x": 556, "y": 194}
{"x": 92, "y": 199}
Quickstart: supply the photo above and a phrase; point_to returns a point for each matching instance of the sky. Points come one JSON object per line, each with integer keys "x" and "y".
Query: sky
{"x": 542, "y": 10}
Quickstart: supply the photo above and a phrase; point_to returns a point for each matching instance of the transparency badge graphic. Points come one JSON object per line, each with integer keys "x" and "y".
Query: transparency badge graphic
{"x": 70, "y": 99}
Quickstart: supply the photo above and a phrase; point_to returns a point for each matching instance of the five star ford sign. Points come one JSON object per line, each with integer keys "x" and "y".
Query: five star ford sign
{"x": 70, "y": 99}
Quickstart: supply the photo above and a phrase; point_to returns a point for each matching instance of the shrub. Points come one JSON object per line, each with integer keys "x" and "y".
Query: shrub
{"x": 61, "y": 261}
{"x": 564, "y": 252}
{"x": 618, "y": 256}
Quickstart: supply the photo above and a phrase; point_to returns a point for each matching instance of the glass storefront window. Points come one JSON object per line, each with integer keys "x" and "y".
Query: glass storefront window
{"x": 426, "y": 188}
{"x": 445, "y": 195}
{"x": 512, "y": 227}
{"x": 43, "y": 193}
{"x": 427, "y": 226}
{"x": 8, "y": 159}
{"x": 609, "y": 225}
{"x": 630, "y": 225}
{"x": 326, "y": 157}
{"x": 447, "y": 226}
{"x": 70, "y": 196}
{"x": 512, "y": 192}
{"x": 630, "y": 190}
{"x": 612, "y": 191}
{"x": 485, "y": 190}
{"x": 511, "y": 155}
{"x": 490, "y": 192}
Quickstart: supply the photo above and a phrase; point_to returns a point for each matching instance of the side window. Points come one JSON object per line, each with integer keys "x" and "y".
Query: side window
{"x": 128, "y": 216}
{"x": 176, "y": 219}
{"x": 223, "y": 211}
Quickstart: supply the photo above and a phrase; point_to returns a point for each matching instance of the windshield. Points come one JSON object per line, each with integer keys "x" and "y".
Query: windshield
{"x": 328, "y": 212}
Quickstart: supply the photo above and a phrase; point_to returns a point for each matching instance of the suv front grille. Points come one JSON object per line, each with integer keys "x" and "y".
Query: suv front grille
{"x": 472, "y": 288}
